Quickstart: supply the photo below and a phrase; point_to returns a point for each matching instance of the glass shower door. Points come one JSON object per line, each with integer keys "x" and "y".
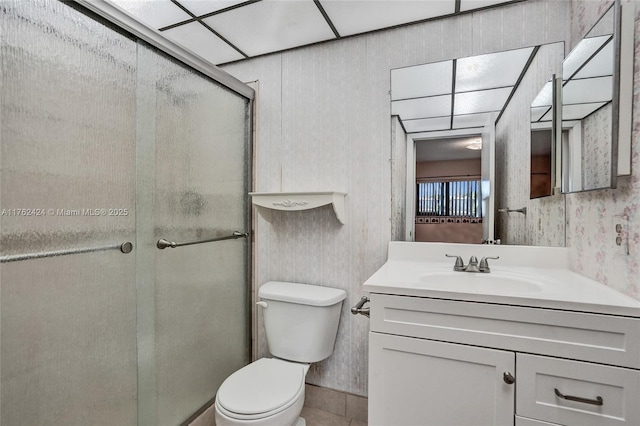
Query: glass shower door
{"x": 105, "y": 140}
{"x": 67, "y": 196}
{"x": 193, "y": 323}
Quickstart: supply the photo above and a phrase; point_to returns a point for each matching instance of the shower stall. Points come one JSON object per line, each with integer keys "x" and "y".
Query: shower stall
{"x": 108, "y": 145}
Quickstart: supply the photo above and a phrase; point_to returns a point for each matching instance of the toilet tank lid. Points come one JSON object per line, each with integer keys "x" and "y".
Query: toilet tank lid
{"x": 304, "y": 294}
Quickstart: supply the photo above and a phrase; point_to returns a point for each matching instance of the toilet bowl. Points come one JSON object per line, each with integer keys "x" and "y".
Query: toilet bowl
{"x": 268, "y": 392}
{"x": 301, "y": 324}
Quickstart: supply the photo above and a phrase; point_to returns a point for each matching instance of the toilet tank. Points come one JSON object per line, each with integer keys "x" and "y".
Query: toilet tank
{"x": 300, "y": 320}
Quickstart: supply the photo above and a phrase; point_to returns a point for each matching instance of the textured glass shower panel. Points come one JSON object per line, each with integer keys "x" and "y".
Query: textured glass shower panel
{"x": 201, "y": 326}
{"x": 67, "y": 176}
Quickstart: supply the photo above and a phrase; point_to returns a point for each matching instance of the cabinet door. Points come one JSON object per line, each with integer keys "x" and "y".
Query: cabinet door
{"x": 424, "y": 382}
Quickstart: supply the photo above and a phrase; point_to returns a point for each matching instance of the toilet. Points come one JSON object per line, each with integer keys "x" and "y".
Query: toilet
{"x": 301, "y": 324}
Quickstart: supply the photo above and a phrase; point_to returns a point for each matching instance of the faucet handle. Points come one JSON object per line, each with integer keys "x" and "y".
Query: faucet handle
{"x": 459, "y": 265}
{"x": 484, "y": 265}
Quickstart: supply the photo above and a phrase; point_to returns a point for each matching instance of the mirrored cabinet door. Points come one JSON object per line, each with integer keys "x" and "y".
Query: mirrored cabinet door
{"x": 595, "y": 130}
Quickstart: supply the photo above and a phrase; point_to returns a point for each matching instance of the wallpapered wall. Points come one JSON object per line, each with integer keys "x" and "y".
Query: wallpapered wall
{"x": 398, "y": 180}
{"x": 544, "y": 224}
{"x": 323, "y": 123}
{"x": 592, "y": 215}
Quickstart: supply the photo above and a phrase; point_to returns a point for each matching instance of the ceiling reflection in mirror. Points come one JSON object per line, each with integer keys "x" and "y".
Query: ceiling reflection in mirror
{"x": 587, "y": 111}
{"x": 444, "y": 102}
{"x": 456, "y": 94}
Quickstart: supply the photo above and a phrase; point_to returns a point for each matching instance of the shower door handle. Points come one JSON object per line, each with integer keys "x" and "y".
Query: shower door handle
{"x": 163, "y": 244}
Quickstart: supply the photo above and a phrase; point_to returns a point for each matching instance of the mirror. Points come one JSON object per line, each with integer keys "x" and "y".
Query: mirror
{"x": 544, "y": 150}
{"x": 448, "y": 102}
{"x": 589, "y": 132}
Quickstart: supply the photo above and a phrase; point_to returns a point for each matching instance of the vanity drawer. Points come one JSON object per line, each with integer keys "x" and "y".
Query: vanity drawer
{"x": 537, "y": 379}
{"x": 598, "y": 338}
{"x": 524, "y": 421}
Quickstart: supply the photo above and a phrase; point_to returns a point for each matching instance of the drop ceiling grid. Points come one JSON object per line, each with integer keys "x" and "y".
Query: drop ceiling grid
{"x": 203, "y": 42}
{"x": 470, "y": 106}
{"x": 353, "y": 17}
{"x": 199, "y": 7}
{"x": 600, "y": 64}
{"x": 265, "y": 27}
{"x": 229, "y": 19}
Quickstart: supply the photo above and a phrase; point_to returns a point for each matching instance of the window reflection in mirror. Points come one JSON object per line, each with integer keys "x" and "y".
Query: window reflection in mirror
{"x": 448, "y": 190}
{"x": 451, "y": 99}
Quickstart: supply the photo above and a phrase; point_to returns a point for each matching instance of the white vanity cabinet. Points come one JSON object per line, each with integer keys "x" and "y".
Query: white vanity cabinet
{"x": 448, "y": 362}
{"x": 419, "y": 382}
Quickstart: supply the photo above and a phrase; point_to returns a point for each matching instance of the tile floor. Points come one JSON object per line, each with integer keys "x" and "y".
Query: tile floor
{"x": 323, "y": 407}
{"x": 318, "y": 417}
{"x": 327, "y": 407}
{"x": 313, "y": 416}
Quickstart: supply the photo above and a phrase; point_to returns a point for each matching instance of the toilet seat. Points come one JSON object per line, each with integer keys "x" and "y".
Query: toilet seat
{"x": 261, "y": 389}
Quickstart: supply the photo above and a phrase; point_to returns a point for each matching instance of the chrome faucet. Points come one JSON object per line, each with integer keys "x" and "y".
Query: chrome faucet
{"x": 484, "y": 265}
{"x": 459, "y": 265}
{"x": 473, "y": 265}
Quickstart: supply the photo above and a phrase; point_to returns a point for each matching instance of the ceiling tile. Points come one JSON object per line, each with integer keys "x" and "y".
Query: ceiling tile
{"x": 490, "y": 71}
{"x": 481, "y": 101}
{"x": 545, "y": 97}
{"x": 202, "y": 7}
{"x": 154, "y": 13}
{"x": 477, "y": 4}
{"x": 272, "y": 25}
{"x": 427, "y": 124}
{"x": 579, "y": 111}
{"x": 470, "y": 120}
{"x": 436, "y": 106}
{"x": 422, "y": 80}
{"x": 588, "y": 90}
{"x": 196, "y": 38}
{"x": 580, "y": 54}
{"x": 357, "y": 16}
{"x": 538, "y": 112}
{"x": 548, "y": 116}
{"x": 600, "y": 65}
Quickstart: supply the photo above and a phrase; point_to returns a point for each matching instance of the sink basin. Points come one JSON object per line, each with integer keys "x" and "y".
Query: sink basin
{"x": 470, "y": 282}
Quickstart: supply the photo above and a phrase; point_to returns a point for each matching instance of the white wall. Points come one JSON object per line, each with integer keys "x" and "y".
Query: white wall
{"x": 323, "y": 123}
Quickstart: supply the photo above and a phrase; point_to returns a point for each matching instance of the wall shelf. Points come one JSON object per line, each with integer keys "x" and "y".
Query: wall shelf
{"x": 294, "y": 201}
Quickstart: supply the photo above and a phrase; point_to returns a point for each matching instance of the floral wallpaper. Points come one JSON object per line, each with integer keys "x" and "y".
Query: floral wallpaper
{"x": 588, "y": 219}
{"x": 596, "y": 157}
{"x": 592, "y": 216}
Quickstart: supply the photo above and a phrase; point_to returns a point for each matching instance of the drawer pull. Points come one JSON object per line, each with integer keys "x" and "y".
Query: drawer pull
{"x": 597, "y": 401}
{"x": 508, "y": 378}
